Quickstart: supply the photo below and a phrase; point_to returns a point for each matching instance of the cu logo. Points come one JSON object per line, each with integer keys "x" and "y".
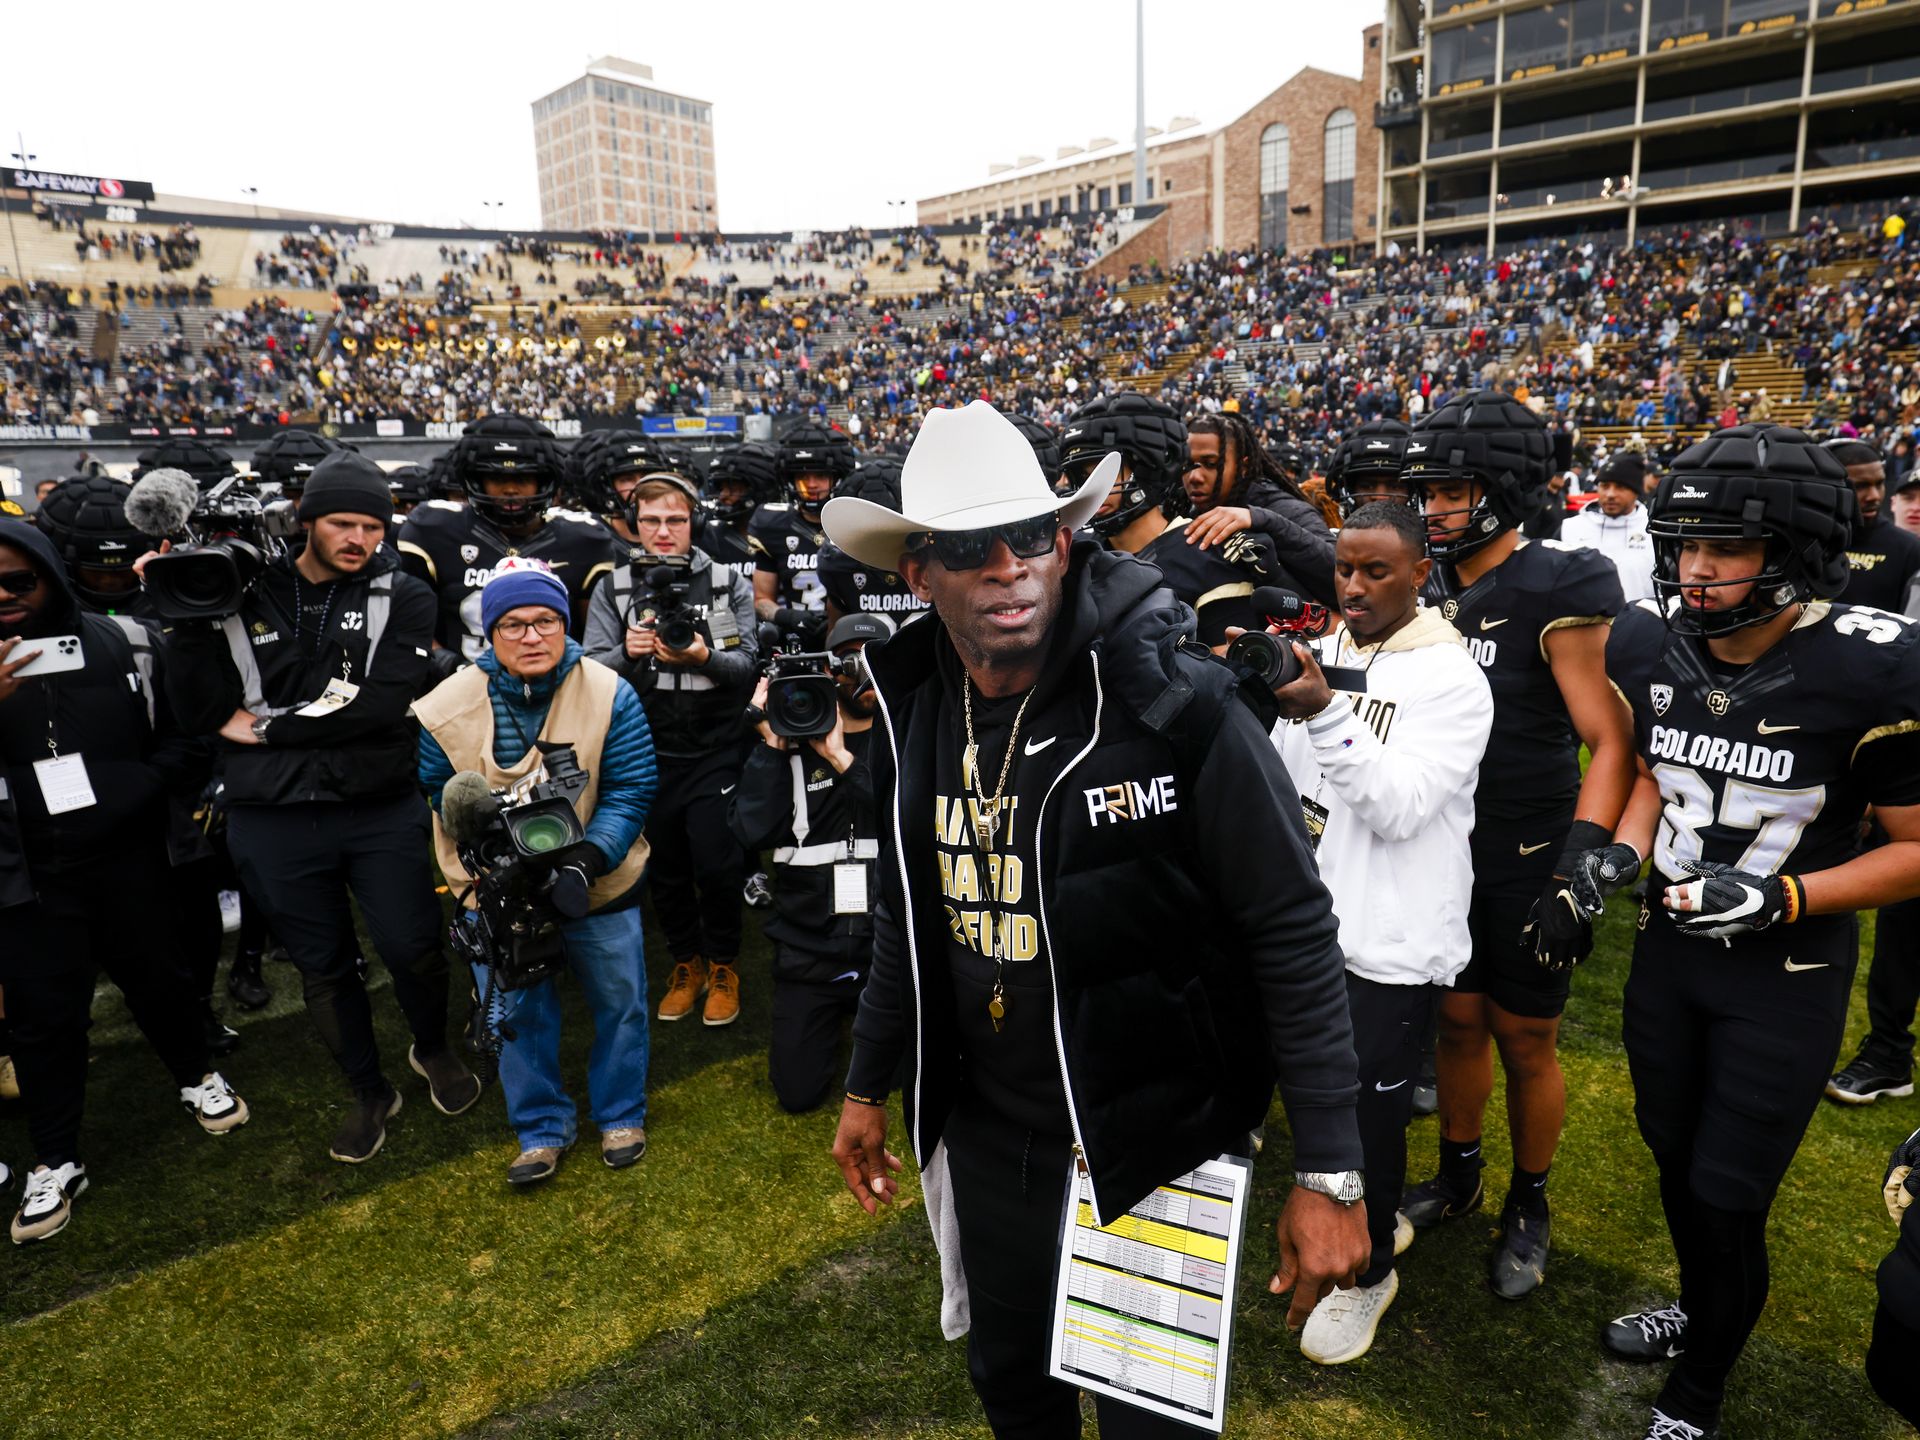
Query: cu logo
{"x": 1718, "y": 703}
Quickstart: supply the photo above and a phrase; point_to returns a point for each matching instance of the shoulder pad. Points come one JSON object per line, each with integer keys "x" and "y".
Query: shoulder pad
{"x": 451, "y": 506}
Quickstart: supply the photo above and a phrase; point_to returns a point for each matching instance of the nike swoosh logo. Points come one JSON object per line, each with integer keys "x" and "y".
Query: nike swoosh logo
{"x": 1793, "y": 969}
{"x": 1383, "y": 1089}
{"x": 848, "y": 975}
{"x": 1535, "y": 849}
{"x": 1034, "y": 747}
{"x": 1489, "y": 624}
{"x": 1674, "y": 1352}
{"x": 728, "y": 789}
{"x": 1766, "y": 729}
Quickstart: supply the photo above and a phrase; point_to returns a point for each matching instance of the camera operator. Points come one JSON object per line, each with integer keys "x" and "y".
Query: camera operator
{"x": 309, "y": 685}
{"x": 532, "y": 683}
{"x": 680, "y": 630}
{"x": 811, "y": 802}
{"x": 786, "y": 538}
{"x": 1386, "y": 780}
{"x": 88, "y": 756}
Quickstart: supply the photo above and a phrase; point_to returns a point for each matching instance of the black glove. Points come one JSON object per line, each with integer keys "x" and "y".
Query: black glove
{"x": 441, "y": 663}
{"x": 1559, "y": 929}
{"x": 1596, "y": 874}
{"x": 1724, "y": 902}
{"x": 572, "y": 881}
{"x": 788, "y": 618}
{"x": 1898, "y": 1183}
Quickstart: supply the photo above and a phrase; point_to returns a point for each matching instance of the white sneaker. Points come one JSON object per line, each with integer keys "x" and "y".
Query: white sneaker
{"x": 1402, "y": 1235}
{"x": 1342, "y": 1325}
{"x": 215, "y": 1105}
{"x": 48, "y": 1203}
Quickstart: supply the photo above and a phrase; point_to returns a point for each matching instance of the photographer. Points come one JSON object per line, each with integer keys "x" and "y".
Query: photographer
{"x": 533, "y": 682}
{"x": 811, "y": 801}
{"x": 309, "y": 685}
{"x": 87, "y": 757}
{"x": 1386, "y": 780}
{"x": 680, "y": 630}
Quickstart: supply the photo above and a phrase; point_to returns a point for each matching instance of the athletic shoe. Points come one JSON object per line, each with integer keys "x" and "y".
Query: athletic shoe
{"x": 1647, "y": 1334}
{"x": 48, "y": 1203}
{"x": 222, "y": 1038}
{"x": 9, "y": 1079}
{"x": 451, "y": 1086}
{"x": 688, "y": 984}
{"x": 723, "y": 995}
{"x": 1402, "y": 1235}
{"x": 1425, "y": 1206}
{"x": 1426, "y": 1099}
{"x": 623, "y": 1147}
{"x": 1866, "y": 1079}
{"x": 757, "y": 892}
{"x": 1664, "y": 1427}
{"x": 1520, "y": 1264}
{"x": 531, "y": 1167}
{"x": 365, "y": 1130}
{"x": 244, "y": 984}
{"x": 1342, "y": 1325}
{"x": 213, "y": 1103}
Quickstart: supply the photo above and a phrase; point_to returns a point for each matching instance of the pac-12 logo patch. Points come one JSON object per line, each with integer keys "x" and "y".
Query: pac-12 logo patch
{"x": 793, "y": 542}
{"x": 469, "y": 553}
{"x": 1719, "y": 702}
{"x": 1662, "y": 698}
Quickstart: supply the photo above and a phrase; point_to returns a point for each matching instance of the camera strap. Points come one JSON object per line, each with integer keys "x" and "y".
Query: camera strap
{"x": 240, "y": 646}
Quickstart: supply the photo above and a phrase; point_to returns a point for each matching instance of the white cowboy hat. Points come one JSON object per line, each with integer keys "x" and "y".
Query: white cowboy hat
{"x": 968, "y": 469}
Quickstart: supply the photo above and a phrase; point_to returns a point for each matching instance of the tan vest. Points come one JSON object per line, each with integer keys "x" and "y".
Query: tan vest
{"x": 458, "y": 713}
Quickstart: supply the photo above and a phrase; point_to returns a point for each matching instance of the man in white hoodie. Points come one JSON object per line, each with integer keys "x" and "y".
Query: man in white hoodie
{"x": 1615, "y": 523}
{"x": 1386, "y": 777}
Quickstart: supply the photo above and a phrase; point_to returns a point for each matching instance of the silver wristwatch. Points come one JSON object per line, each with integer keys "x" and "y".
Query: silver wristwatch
{"x": 1345, "y": 1186}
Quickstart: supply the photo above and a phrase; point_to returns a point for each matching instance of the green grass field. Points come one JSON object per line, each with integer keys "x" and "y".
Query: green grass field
{"x": 729, "y": 1287}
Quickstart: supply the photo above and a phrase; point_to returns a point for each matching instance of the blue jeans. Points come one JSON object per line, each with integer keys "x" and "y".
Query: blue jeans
{"x": 608, "y": 958}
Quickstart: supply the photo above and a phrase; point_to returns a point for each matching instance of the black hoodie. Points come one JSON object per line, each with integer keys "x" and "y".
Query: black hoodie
{"x": 1190, "y": 951}
{"x": 99, "y": 712}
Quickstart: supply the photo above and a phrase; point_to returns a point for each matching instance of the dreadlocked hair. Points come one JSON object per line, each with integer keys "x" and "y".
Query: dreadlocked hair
{"x": 1251, "y": 461}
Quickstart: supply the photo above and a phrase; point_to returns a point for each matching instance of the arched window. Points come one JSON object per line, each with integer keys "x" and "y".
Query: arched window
{"x": 1336, "y": 209}
{"x": 1276, "y": 158}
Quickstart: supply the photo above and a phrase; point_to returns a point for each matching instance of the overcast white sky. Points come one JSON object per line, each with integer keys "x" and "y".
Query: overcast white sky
{"x": 823, "y": 113}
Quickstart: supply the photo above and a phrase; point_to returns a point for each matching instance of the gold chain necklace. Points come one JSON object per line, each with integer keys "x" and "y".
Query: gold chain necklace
{"x": 987, "y": 807}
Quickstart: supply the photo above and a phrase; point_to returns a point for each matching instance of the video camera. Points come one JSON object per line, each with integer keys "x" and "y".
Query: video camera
{"x": 1270, "y": 656}
{"x": 803, "y": 696}
{"x": 667, "y": 580}
{"x": 231, "y": 535}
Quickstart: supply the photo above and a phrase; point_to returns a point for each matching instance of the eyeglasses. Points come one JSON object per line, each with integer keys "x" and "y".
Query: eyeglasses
{"x": 546, "y": 626}
{"x": 19, "y": 582}
{"x": 662, "y": 522}
{"x": 968, "y": 549}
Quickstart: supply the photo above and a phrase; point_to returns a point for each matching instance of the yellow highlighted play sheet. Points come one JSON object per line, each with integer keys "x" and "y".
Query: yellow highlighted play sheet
{"x": 1143, "y": 1307}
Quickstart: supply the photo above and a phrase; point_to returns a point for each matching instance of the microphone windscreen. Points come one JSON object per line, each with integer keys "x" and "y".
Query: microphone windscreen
{"x": 1275, "y": 603}
{"x": 160, "y": 503}
{"x": 467, "y": 807}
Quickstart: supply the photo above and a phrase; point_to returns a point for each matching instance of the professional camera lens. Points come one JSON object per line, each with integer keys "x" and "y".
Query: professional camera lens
{"x": 801, "y": 707}
{"x": 202, "y": 582}
{"x": 540, "y": 834}
{"x": 1269, "y": 657}
{"x": 676, "y": 634}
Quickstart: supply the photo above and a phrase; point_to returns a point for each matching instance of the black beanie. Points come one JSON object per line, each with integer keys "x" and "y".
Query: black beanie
{"x": 1624, "y": 467}
{"x": 346, "y": 483}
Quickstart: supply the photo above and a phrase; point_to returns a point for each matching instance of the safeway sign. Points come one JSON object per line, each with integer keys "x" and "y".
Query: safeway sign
{"x": 101, "y": 186}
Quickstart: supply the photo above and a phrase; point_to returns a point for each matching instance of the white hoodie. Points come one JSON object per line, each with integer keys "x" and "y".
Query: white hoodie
{"x": 1396, "y": 768}
{"x": 1624, "y": 541}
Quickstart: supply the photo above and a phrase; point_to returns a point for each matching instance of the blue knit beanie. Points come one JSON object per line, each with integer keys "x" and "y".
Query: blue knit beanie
{"x": 518, "y": 581}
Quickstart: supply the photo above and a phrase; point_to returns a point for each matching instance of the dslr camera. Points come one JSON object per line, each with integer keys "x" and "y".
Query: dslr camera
{"x": 1269, "y": 656}
{"x": 803, "y": 698}
{"x": 666, "y": 581}
{"x": 231, "y": 535}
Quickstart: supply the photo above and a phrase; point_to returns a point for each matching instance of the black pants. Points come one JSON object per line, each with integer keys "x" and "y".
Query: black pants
{"x": 1893, "y": 983}
{"x": 1009, "y": 1184}
{"x": 301, "y": 861}
{"x": 195, "y": 897}
{"x": 802, "y": 1060}
{"x": 74, "y": 927}
{"x": 1890, "y": 1367}
{"x": 696, "y": 867}
{"x": 1388, "y": 1021}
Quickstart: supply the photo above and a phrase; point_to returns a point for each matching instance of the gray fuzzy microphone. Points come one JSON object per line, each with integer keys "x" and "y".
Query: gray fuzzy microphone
{"x": 468, "y": 807}
{"x": 161, "y": 502}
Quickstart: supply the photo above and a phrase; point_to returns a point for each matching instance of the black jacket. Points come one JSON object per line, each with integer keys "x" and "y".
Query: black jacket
{"x": 1192, "y": 958}
{"x": 362, "y": 751}
{"x": 1301, "y": 540}
{"x": 100, "y": 712}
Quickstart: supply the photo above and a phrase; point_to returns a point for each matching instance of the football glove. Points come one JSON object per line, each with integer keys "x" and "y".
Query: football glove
{"x": 1899, "y": 1182}
{"x": 1558, "y": 933}
{"x": 1723, "y": 902}
{"x": 1596, "y": 874}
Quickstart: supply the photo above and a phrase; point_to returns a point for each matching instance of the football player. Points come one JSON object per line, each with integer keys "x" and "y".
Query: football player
{"x": 1766, "y": 720}
{"x": 510, "y": 471}
{"x": 1534, "y": 615}
{"x": 852, "y": 587}
{"x": 740, "y": 479}
{"x": 1136, "y": 516}
{"x": 786, "y": 538}
{"x": 1366, "y": 466}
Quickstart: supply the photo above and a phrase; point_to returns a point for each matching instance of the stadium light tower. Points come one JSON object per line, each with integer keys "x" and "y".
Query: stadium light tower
{"x": 1139, "y": 102}
{"x": 252, "y": 192}
{"x": 23, "y": 158}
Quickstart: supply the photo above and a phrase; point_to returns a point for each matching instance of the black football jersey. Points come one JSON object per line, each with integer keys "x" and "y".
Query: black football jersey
{"x": 453, "y": 549}
{"x": 1217, "y": 581}
{"x": 1769, "y": 766}
{"x": 724, "y": 544}
{"x": 1882, "y": 566}
{"x": 1532, "y": 769}
{"x": 854, "y": 587}
{"x": 788, "y": 548}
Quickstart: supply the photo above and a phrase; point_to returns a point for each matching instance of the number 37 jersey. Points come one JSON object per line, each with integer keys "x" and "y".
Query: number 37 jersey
{"x": 1769, "y": 767}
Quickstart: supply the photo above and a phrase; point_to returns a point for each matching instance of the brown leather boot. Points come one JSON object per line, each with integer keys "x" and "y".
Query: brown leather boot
{"x": 723, "y": 994}
{"x": 689, "y": 983}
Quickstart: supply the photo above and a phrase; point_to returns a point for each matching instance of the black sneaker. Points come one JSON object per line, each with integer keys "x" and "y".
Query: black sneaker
{"x": 1866, "y": 1079}
{"x": 1520, "y": 1264}
{"x": 450, "y": 1085}
{"x": 222, "y": 1038}
{"x": 1665, "y": 1427}
{"x": 757, "y": 892}
{"x": 1647, "y": 1335}
{"x": 366, "y": 1128}
{"x": 244, "y": 984}
{"x": 1426, "y": 1098}
{"x": 1440, "y": 1199}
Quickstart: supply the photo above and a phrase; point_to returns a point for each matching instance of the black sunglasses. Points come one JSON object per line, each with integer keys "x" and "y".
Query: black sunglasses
{"x": 968, "y": 549}
{"x": 19, "y": 582}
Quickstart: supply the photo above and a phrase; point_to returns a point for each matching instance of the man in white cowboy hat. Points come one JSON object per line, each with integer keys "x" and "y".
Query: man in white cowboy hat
{"x": 1110, "y": 942}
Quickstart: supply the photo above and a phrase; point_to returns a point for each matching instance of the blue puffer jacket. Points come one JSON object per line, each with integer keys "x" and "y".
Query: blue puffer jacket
{"x": 628, "y": 777}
